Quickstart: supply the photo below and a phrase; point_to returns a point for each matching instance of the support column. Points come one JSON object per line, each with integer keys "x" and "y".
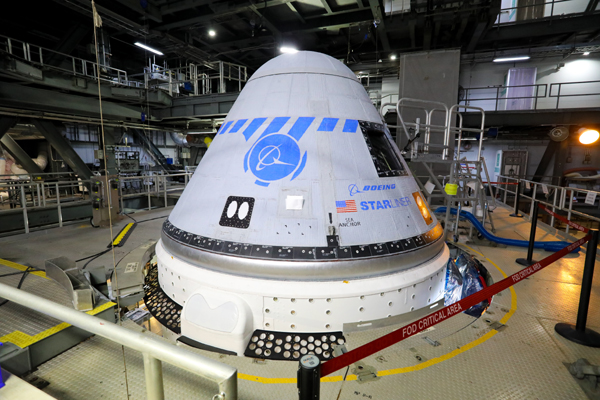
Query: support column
{"x": 63, "y": 147}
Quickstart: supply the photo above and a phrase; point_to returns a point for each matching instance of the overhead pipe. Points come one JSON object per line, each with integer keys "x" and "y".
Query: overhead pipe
{"x": 179, "y": 139}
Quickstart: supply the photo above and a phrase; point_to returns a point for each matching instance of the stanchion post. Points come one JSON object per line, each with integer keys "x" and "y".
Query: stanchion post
{"x": 529, "y": 260}
{"x": 309, "y": 378}
{"x": 517, "y": 201}
{"x": 579, "y": 333}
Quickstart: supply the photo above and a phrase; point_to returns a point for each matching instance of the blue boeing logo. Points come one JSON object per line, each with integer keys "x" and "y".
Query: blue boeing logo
{"x": 275, "y": 155}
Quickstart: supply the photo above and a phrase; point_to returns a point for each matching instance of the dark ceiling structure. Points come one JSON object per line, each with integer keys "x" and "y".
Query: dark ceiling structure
{"x": 249, "y": 33}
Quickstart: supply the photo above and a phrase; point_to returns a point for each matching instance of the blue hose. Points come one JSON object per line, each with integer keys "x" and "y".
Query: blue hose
{"x": 548, "y": 246}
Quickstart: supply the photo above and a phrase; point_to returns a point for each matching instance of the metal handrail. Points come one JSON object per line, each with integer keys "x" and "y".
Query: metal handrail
{"x": 560, "y": 85}
{"x": 161, "y": 180}
{"x": 80, "y": 66}
{"x": 153, "y": 350}
{"x": 40, "y": 198}
{"x": 497, "y": 98}
{"x": 552, "y": 2}
{"x": 559, "y": 197}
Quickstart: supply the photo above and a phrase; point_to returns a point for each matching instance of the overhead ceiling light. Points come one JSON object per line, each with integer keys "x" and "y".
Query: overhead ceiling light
{"x": 586, "y": 53}
{"x": 393, "y": 57}
{"x": 143, "y": 46}
{"x": 506, "y": 59}
{"x": 588, "y": 136}
{"x": 212, "y": 33}
{"x": 289, "y": 50}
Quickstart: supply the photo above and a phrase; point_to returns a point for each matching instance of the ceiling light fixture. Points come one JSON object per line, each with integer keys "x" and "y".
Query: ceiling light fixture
{"x": 212, "y": 33}
{"x": 393, "y": 57}
{"x": 588, "y": 136}
{"x": 289, "y": 50}
{"x": 586, "y": 53}
{"x": 143, "y": 46}
{"x": 506, "y": 59}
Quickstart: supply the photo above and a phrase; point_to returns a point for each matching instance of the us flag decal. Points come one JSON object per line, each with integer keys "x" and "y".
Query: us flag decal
{"x": 346, "y": 206}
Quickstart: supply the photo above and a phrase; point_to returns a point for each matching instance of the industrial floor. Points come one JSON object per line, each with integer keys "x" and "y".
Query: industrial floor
{"x": 511, "y": 352}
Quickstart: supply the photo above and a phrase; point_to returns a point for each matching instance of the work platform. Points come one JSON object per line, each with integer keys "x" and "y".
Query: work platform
{"x": 511, "y": 352}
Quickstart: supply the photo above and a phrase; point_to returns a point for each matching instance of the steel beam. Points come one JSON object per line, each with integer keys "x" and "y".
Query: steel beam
{"x": 151, "y": 11}
{"x": 171, "y": 8}
{"x": 19, "y": 155}
{"x": 14, "y": 96}
{"x": 5, "y": 124}
{"x": 591, "y": 7}
{"x": 326, "y": 6}
{"x": 296, "y": 12}
{"x": 63, "y": 147}
{"x": 220, "y": 11}
{"x": 545, "y": 161}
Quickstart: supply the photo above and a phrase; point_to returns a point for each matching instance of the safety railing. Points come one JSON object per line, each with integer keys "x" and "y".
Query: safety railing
{"x": 154, "y": 350}
{"x": 35, "y": 195}
{"x": 555, "y": 197}
{"x": 192, "y": 79}
{"x": 574, "y": 89}
{"x": 538, "y": 97}
{"x": 47, "y": 58}
{"x": 152, "y": 186}
{"x": 495, "y": 98}
{"x": 536, "y": 10}
{"x": 195, "y": 80}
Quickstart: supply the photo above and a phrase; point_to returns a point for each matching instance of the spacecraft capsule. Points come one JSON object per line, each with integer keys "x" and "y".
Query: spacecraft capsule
{"x": 301, "y": 220}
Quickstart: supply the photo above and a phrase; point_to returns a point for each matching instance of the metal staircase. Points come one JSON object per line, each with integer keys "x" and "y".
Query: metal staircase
{"x": 461, "y": 187}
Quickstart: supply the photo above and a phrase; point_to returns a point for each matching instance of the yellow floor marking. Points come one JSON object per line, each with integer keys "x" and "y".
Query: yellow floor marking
{"x": 418, "y": 367}
{"x": 123, "y": 233}
{"x": 24, "y": 340}
{"x": 20, "y": 267}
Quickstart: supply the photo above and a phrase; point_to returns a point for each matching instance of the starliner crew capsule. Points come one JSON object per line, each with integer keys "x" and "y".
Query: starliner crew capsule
{"x": 302, "y": 222}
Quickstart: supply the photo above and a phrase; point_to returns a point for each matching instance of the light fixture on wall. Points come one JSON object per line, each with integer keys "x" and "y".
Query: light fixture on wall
{"x": 588, "y": 136}
{"x": 508, "y": 59}
{"x": 143, "y": 46}
{"x": 393, "y": 57}
{"x": 586, "y": 53}
{"x": 212, "y": 33}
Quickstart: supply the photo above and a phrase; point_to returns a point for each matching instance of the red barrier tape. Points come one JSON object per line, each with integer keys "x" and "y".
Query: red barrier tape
{"x": 564, "y": 219}
{"x": 442, "y": 314}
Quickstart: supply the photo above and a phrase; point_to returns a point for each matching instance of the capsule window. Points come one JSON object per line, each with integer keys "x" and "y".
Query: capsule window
{"x": 383, "y": 153}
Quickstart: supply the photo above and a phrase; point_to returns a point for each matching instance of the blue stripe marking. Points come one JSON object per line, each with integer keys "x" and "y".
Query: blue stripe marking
{"x": 300, "y": 168}
{"x": 275, "y": 125}
{"x": 254, "y": 125}
{"x": 350, "y": 125}
{"x": 238, "y": 125}
{"x": 261, "y": 183}
{"x": 328, "y": 124}
{"x": 300, "y": 127}
{"x": 224, "y": 128}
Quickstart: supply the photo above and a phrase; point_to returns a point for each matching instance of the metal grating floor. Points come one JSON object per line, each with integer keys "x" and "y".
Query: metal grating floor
{"x": 522, "y": 360}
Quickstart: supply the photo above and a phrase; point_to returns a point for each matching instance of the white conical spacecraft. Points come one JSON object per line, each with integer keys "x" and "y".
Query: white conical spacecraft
{"x": 302, "y": 219}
